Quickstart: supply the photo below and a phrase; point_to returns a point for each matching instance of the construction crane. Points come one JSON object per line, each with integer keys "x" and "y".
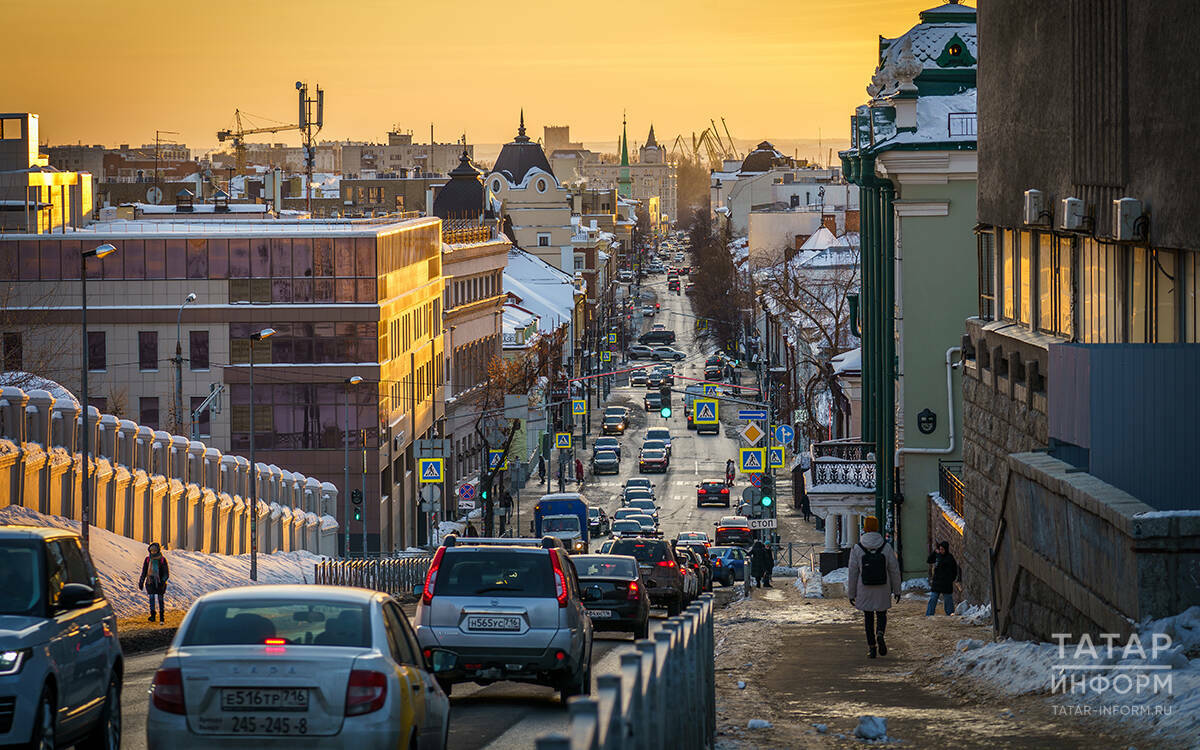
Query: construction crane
{"x": 708, "y": 145}
{"x": 312, "y": 119}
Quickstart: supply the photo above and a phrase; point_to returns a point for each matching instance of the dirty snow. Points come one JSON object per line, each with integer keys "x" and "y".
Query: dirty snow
{"x": 758, "y": 724}
{"x": 118, "y": 562}
{"x": 871, "y": 728}
{"x": 915, "y": 584}
{"x": 841, "y": 575}
{"x": 980, "y": 614}
{"x": 809, "y": 582}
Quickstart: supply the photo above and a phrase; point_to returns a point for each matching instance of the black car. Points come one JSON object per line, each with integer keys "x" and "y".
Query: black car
{"x": 654, "y": 380}
{"x": 713, "y": 372}
{"x": 659, "y": 571}
{"x": 613, "y": 426}
{"x": 734, "y": 530}
{"x": 657, "y": 338}
{"x": 606, "y": 462}
{"x": 606, "y": 444}
{"x": 598, "y": 523}
{"x": 653, "y": 400}
{"x": 614, "y": 593}
{"x": 712, "y": 491}
{"x": 667, "y": 372}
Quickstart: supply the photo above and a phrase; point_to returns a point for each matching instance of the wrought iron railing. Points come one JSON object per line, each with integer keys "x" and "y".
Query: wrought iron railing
{"x": 843, "y": 472}
{"x": 454, "y": 232}
{"x": 397, "y": 576}
{"x": 950, "y": 484}
{"x": 963, "y": 124}
{"x": 849, "y": 450}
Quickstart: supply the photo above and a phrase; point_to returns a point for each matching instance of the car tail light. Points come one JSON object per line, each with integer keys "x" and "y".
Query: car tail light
{"x": 725, "y": 491}
{"x": 666, "y": 563}
{"x": 717, "y": 562}
{"x": 167, "y": 691}
{"x": 366, "y": 692}
{"x": 633, "y": 590}
{"x": 431, "y": 576}
{"x": 560, "y": 579}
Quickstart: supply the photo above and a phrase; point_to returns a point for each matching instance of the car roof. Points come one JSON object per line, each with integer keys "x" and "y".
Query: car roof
{"x": 731, "y": 520}
{"x": 712, "y": 481}
{"x": 20, "y": 531}
{"x": 641, "y": 500}
{"x": 657, "y": 430}
{"x": 653, "y": 451}
{"x": 296, "y": 592}
{"x": 607, "y": 454}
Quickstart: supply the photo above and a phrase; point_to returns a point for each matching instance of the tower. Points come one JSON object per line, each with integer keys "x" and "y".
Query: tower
{"x": 624, "y": 182}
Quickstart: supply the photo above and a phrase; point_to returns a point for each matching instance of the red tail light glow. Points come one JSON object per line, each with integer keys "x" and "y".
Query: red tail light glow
{"x": 560, "y": 579}
{"x": 365, "y": 692}
{"x": 275, "y": 642}
{"x": 666, "y": 564}
{"x": 431, "y": 576}
{"x": 167, "y": 691}
{"x": 725, "y": 491}
{"x": 633, "y": 590}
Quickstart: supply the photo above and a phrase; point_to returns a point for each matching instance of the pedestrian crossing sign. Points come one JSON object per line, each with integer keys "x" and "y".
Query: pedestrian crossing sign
{"x": 705, "y": 411}
{"x": 578, "y": 407}
{"x": 562, "y": 440}
{"x": 606, "y": 356}
{"x": 496, "y": 459}
{"x": 775, "y": 457}
{"x": 430, "y": 470}
{"x": 612, "y": 338}
{"x": 752, "y": 460}
{"x": 710, "y": 389}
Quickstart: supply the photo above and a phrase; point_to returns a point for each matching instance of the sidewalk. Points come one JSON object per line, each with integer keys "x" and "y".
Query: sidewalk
{"x": 804, "y": 662}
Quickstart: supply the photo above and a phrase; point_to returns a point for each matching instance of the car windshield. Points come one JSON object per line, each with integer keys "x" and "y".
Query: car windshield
{"x": 735, "y": 521}
{"x": 612, "y": 419}
{"x": 638, "y": 482}
{"x": 644, "y": 551}
{"x": 565, "y": 523}
{"x": 595, "y": 566}
{"x": 253, "y": 622}
{"x": 653, "y": 445}
{"x": 690, "y": 535}
{"x": 653, "y": 455}
{"x": 714, "y": 486}
{"x": 22, "y": 591}
{"x": 593, "y": 512}
{"x": 496, "y": 573}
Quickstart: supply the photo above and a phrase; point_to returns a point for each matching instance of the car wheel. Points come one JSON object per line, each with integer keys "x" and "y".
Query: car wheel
{"x": 106, "y": 735}
{"x": 43, "y": 737}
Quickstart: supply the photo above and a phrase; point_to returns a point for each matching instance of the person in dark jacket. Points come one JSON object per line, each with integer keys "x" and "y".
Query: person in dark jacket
{"x": 941, "y": 583}
{"x": 578, "y": 471}
{"x": 155, "y": 573}
{"x": 761, "y": 563}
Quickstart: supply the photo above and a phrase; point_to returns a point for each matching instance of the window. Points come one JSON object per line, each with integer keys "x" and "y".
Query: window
{"x": 1024, "y": 280}
{"x": 203, "y": 419}
{"x": 543, "y": 239}
{"x": 579, "y": 261}
{"x": 97, "y": 351}
{"x": 541, "y": 186}
{"x": 1102, "y": 292}
{"x": 1190, "y": 293}
{"x": 987, "y": 281}
{"x": 1007, "y": 240}
{"x": 148, "y": 411}
{"x": 198, "y": 349}
{"x": 13, "y": 357}
{"x": 147, "y": 350}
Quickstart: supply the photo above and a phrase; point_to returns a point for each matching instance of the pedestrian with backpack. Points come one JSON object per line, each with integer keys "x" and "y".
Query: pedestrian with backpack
{"x": 941, "y": 583}
{"x": 873, "y": 582}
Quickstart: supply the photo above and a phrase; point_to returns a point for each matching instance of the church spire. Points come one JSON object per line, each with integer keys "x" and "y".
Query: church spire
{"x": 624, "y": 144}
{"x": 624, "y": 182}
{"x": 650, "y": 141}
{"x": 521, "y": 137}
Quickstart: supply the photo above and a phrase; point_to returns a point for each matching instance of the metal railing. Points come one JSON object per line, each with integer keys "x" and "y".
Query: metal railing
{"x": 961, "y": 124}
{"x": 950, "y": 484}
{"x": 796, "y": 554}
{"x": 397, "y": 576}
{"x": 847, "y": 449}
{"x": 468, "y": 234}
{"x": 663, "y": 696}
{"x": 843, "y": 472}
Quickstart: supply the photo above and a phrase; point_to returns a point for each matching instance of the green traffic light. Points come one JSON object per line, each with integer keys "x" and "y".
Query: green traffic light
{"x": 665, "y": 411}
{"x": 357, "y": 515}
{"x": 766, "y": 501}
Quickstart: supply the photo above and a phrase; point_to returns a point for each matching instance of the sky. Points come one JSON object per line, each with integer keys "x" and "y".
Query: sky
{"x": 114, "y": 71}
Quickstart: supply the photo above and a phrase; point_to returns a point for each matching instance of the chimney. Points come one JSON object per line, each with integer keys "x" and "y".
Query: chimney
{"x": 829, "y": 221}
{"x": 852, "y": 220}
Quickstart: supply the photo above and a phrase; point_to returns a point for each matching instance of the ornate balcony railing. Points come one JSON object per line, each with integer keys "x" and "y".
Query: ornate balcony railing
{"x": 462, "y": 235}
{"x": 950, "y": 484}
{"x": 852, "y": 451}
{"x": 843, "y": 473}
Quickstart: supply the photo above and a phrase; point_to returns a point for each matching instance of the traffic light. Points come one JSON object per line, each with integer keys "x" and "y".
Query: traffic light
{"x": 356, "y": 497}
{"x": 768, "y": 490}
{"x": 665, "y": 412}
{"x": 358, "y": 514}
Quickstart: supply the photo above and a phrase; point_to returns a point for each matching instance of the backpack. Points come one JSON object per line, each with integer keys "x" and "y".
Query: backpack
{"x": 874, "y": 566}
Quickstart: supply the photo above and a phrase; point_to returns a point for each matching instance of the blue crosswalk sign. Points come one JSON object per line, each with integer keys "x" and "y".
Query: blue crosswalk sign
{"x": 705, "y": 411}
{"x": 578, "y": 407}
{"x": 784, "y": 434}
{"x": 775, "y": 457}
{"x": 752, "y": 460}
{"x": 562, "y": 440}
{"x": 430, "y": 470}
{"x": 495, "y": 457}
{"x": 710, "y": 389}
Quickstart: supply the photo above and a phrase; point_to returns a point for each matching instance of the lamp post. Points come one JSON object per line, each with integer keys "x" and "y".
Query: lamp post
{"x": 259, "y": 336}
{"x": 179, "y": 364}
{"x": 353, "y": 380}
{"x": 100, "y": 252}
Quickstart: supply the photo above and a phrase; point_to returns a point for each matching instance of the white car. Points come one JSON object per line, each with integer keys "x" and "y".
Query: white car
{"x": 298, "y": 667}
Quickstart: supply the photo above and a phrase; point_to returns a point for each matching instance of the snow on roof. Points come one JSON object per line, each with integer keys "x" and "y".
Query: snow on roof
{"x": 200, "y": 208}
{"x": 517, "y": 317}
{"x": 28, "y": 381}
{"x": 933, "y": 120}
{"x": 541, "y": 288}
{"x": 848, "y": 362}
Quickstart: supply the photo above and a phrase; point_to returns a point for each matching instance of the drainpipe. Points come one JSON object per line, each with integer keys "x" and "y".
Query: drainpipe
{"x": 950, "y": 365}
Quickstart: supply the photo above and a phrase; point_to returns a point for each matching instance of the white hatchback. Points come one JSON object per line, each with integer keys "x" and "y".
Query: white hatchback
{"x": 298, "y": 667}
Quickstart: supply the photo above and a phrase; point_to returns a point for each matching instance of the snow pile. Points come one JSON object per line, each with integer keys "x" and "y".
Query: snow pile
{"x": 841, "y": 575}
{"x": 915, "y": 584}
{"x": 808, "y": 582}
{"x": 785, "y": 571}
{"x": 758, "y": 724}
{"x": 449, "y": 527}
{"x": 980, "y": 614}
{"x": 1105, "y": 680}
{"x": 871, "y": 728}
{"x": 118, "y": 562}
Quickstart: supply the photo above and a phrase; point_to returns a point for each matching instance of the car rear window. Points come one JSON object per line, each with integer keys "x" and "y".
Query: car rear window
{"x": 22, "y": 591}
{"x": 644, "y": 551}
{"x": 496, "y": 573}
{"x": 251, "y": 623}
{"x": 647, "y": 504}
{"x": 624, "y": 524}
{"x": 606, "y": 566}
{"x": 658, "y": 434}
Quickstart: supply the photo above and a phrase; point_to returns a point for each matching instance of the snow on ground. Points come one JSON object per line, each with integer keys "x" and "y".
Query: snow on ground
{"x": 1109, "y": 681}
{"x": 118, "y": 562}
{"x": 915, "y": 584}
{"x": 980, "y": 614}
{"x": 808, "y": 582}
{"x": 841, "y": 575}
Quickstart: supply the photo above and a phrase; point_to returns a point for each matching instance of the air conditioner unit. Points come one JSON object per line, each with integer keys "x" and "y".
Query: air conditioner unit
{"x": 1072, "y": 214}
{"x": 1035, "y": 206}
{"x": 1126, "y": 212}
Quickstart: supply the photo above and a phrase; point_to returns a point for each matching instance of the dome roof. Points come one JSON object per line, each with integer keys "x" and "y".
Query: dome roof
{"x": 763, "y": 158}
{"x": 939, "y": 54}
{"x": 521, "y": 155}
{"x": 462, "y": 196}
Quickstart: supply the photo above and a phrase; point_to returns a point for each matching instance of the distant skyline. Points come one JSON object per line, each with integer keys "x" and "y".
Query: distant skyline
{"x": 115, "y": 72}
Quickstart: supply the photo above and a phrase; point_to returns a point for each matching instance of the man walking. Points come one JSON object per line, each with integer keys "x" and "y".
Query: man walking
{"x": 941, "y": 583}
{"x": 873, "y": 581}
{"x": 761, "y": 562}
{"x": 155, "y": 573}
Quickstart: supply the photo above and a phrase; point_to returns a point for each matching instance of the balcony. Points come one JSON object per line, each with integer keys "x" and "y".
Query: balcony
{"x": 844, "y": 449}
{"x": 843, "y": 468}
{"x": 455, "y": 232}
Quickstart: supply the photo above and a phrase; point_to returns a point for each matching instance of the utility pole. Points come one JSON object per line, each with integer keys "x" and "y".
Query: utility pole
{"x": 362, "y": 436}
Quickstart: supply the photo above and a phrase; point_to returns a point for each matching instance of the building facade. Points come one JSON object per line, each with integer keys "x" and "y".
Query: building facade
{"x": 401, "y": 155}
{"x": 36, "y": 197}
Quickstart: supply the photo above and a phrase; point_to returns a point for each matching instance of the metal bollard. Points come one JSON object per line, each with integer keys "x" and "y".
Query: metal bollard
{"x": 633, "y": 686}
{"x": 584, "y": 727}
{"x": 553, "y": 742}
{"x": 652, "y": 731}
{"x": 611, "y": 712}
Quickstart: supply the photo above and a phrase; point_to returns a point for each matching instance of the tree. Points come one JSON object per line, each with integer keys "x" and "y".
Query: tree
{"x": 32, "y": 345}
{"x": 719, "y": 294}
{"x": 691, "y": 190}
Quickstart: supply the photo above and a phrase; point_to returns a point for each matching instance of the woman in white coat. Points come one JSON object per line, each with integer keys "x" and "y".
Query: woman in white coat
{"x": 873, "y": 582}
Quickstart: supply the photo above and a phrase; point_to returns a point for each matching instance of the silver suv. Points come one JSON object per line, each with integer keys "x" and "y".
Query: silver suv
{"x": 60, "y": 660}
{"x": 510, "y": 609}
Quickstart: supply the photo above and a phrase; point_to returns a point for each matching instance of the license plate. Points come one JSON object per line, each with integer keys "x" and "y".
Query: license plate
{"x": 264, "y": 699}
{"x": 493, "y": 622}
{"x": 600, "y": 613}
{"x": 268, "y": 725}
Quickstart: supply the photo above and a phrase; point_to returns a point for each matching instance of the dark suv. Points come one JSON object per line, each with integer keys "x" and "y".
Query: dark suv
{"x": 511, "y": 609}
{"x": 60, "y": 661}
{"x": 660, "y": 572}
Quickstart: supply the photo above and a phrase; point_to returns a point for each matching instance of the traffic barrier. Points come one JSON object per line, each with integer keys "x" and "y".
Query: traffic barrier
{"x": 664, "y": 694}
{"x": 397, "y": 576}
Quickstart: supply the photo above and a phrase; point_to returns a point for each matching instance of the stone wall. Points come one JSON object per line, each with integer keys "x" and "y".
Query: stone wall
{"x": 942, "y": 529}
{"x": 153, "y": 486}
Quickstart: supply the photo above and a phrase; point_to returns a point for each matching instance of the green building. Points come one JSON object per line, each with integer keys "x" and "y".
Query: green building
{"x": 913, "y": 157}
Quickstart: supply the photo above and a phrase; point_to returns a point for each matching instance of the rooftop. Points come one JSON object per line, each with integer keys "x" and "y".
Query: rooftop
{"x": 207, "y": 226}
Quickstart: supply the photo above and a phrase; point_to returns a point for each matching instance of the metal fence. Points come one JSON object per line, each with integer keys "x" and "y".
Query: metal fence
{"x": 663, "y": 696}
{"x": 397, "y": 576}
{"x": 851, "y": 450}
{"x": 796, "y": 554}
{"x": 950, "y": 484}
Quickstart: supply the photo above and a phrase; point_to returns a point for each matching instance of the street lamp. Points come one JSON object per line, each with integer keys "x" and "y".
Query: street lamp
{"x": 354, "y": 380}
{"x": 100, "y": 252}
{"x": 265, "y": 333}
{"x": 179, "y": 365}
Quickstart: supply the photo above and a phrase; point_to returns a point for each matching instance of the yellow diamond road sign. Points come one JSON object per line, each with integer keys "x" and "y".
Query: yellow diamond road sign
{"x": 752, "y": 433}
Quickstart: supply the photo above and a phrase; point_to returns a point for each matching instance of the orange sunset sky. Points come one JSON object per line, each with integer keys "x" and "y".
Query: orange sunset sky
{"x": 112, "y": 71}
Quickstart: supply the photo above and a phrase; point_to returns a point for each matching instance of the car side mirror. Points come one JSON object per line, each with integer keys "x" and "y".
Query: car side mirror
{"x": 76, "y": 595}
{"x": 440, "y": 660}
